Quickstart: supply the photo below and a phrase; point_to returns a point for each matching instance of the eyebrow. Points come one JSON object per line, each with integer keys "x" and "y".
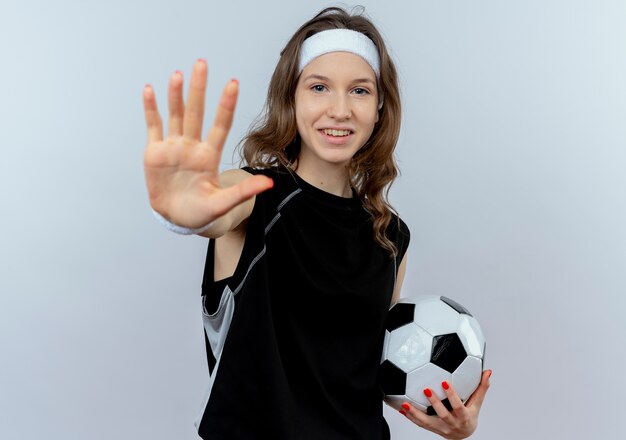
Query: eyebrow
{"x": 325, "y": 78}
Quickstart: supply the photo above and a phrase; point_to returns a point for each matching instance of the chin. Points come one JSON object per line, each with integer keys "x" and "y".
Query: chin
{"x": 339, "y": 161}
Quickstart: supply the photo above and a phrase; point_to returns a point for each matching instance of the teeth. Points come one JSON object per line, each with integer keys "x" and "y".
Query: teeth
{"x": 330, "y": 132}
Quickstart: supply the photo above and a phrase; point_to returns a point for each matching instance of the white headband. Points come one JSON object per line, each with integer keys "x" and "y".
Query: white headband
{"x": 339, "y": 40}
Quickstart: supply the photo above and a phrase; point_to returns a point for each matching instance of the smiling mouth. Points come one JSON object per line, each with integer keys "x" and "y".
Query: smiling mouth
{"x": 336, "y": 133}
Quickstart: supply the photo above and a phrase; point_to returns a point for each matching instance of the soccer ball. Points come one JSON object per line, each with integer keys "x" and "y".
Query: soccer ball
{"x": 429, "y": 339}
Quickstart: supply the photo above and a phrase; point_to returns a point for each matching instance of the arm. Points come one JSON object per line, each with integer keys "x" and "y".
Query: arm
{"x": 399, "y": 280}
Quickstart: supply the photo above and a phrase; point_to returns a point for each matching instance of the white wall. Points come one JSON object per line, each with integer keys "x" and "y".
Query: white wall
{"x": 512, "y": 152}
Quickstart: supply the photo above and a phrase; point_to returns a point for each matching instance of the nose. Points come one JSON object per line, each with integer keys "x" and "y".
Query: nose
{"x": 339, "y": 107}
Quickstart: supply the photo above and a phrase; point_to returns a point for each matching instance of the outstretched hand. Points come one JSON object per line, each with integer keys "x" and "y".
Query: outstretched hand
{"x": 182, "y": 170}
{"x": 459, "y": 423}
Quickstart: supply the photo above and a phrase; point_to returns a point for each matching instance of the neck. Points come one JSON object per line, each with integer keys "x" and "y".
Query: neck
{"x": 332, "y": 178}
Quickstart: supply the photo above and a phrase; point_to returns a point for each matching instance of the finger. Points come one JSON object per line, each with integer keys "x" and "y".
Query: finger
{"x": 455, "y": 401}
{"x": 194, "y": 112}
{"x": 151, "y": 112}
{"x": 476, "y": 399}
{"x": 223, "y": 201}
{"x": 420, "y": 418}
{"x": 224, "y": 116}
{"x": 176, "y": 104}
{"x": 442, "y": 412}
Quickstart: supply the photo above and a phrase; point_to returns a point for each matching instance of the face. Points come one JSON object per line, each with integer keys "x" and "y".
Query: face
{"x": 336, "y": 108}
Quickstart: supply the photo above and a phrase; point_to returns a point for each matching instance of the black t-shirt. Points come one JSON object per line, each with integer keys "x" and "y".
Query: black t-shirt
{"x": 294, "y": 338}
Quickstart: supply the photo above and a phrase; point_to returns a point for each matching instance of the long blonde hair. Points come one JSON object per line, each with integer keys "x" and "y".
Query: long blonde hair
{"x": 273, "y": 140}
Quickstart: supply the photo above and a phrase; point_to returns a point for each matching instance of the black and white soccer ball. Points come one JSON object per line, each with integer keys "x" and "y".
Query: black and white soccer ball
{"x": 429, "y": 339}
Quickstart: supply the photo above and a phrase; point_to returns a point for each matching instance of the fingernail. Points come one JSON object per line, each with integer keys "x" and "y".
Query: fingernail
{"x": 445, "y": 385}
{"x": 428, "y": 392}
{"x": 271, "y": 183}
{"x": 179, "y": 72}
{"x": 406, "y": 406}
{"x": 148, "y": 86}
{"x": 403, "y": 413}
{"x": 235, "y": 80}
{"x": 201, "y": 60}
{"x": 489, "y": 374}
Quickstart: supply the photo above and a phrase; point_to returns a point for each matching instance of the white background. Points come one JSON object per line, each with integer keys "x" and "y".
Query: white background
{"x": 512, "y": 153}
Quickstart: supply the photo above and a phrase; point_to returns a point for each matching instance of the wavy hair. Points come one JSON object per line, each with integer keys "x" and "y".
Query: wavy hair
{"x": 274, "y": 140}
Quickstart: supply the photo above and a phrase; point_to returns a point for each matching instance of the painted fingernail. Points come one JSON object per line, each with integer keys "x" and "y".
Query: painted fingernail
{"x": 235, "y": 80}
{"x": 489, "y": 374}
{"x": 406, "y": 406}
{"x": 201, "y": 60}
{"x": 445, "y": 385}
{"x": 403, "y": 413}
{"x": 428, "y": 392}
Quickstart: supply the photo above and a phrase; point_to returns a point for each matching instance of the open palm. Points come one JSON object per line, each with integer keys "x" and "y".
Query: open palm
{"x": 182, "y": 170}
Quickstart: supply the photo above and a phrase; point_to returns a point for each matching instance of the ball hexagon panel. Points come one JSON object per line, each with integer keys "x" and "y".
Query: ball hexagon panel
{"x": 471, "y": 336}
{"x": 455, "y": 305}
{"x": 484, "y": 354}
{"x": 409, "y": 347}
{"x": 448, "y": 352}
{"x": 400, "y": 314}
{"x": 391, "y": 379}
{"x": 383, "y": 354}
{"x": 466, "y": 378}
{"x": 436, "y": 317}
{"x": 399, "y": 400}
{"x": 428, "y": 376}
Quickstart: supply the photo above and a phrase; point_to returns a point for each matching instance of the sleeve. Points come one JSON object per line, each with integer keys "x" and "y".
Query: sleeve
{"x": 402, "y": 238}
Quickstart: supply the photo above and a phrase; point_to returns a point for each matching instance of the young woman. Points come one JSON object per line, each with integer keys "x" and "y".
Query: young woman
{"x": 305, "y": 254}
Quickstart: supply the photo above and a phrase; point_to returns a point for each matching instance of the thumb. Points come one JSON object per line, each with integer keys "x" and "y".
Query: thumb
{"x": 476, "y": 399}
{"x": 226, "y": 199}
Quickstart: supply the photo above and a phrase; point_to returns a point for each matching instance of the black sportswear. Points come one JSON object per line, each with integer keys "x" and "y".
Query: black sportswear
{"x": 294, "y": 337}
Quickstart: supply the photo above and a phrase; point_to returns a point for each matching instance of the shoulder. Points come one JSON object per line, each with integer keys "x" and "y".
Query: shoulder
{"x": 404, "y": 228}
{"x": 398, "y": 232}
{"x": 284, "y": 181}
{"x": 273, "y": 171}
{"x": 397, "y": 227}
{"x": 234, "y": 176}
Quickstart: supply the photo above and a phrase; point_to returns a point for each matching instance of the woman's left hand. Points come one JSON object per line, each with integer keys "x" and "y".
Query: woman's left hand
{"x": 459, "y": 423}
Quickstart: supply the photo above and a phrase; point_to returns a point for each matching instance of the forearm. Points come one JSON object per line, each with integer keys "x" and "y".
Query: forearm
{"x": 229, "y": 221}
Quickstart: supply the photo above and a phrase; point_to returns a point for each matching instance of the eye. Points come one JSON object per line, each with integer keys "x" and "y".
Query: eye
{"x": 361, "y": 91}
{"x": 318, "y": 88}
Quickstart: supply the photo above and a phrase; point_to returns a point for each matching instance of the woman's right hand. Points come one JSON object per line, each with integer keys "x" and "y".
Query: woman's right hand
{"x": 181, "y": 170}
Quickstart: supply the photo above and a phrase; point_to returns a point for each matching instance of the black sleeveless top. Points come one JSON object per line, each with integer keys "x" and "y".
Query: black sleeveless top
{"x": 294, "y": 338}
